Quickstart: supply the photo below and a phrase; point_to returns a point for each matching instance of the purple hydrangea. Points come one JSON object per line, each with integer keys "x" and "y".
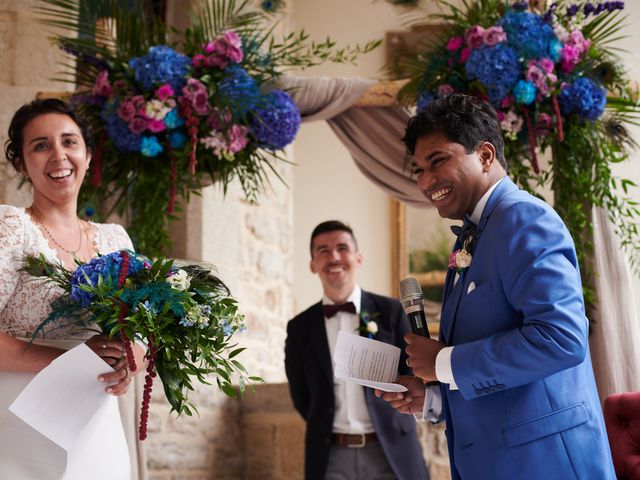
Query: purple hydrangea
{"x": 106, "y": 267}
{"x": 583, "y": 97}
{"x": 276, "y": 121}
{"x": 240, "y": 90}
{"x": 527, "y": 33}
{"x": 161, "y": 65}
{"x": 496, "y": 67}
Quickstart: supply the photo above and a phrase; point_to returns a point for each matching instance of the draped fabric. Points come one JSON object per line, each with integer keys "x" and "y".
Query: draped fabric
{"x": 372, "y": 136}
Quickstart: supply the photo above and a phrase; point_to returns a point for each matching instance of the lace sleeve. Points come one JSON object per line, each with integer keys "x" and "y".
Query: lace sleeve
{"x": 12, "y": 241}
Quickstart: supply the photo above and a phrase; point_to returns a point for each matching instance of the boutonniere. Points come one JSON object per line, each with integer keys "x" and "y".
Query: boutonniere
{"x": 368, "y": 326}
{"x": 460, "y": 259}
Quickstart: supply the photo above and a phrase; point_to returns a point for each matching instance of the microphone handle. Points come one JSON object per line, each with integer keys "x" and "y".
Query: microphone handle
{"x": 418, "y": 323}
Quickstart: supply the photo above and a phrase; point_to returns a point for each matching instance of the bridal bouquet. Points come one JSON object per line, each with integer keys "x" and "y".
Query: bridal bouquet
{"x": 184, "y": 315}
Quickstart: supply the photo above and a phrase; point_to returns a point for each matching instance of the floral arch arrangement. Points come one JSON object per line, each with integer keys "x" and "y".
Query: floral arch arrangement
{"x": 169, "y": 115}
{"x": 557, "y": 85}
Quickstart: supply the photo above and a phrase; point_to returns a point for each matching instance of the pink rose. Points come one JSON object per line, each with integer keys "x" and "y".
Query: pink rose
{"x": 156, "y": 126}
{"x": 200, "y": 102}
{"x": 192, "y": 87}
{"x": 232, "y": 38}
{"x": 216, "y": 60}
{"x": 474, "y": 36}
{"x": 164, "y": 92}
{"x": 198, "y": 60}
{"x": 210, "y": 47}
{"x": 101, "y": 87}
{"x": 138, "y": 102}
{"x": 493, "y": 36}
{"x": 138, "y": 125}
{"x": 546, "y": 64}
{"x": 535, "y": 74}
{"x": 126, "y": 111}
{"x": 235, "y": 54}
{"x": 454, "y": 44}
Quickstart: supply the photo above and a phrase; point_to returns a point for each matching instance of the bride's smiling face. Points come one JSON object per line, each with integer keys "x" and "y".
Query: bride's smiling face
{"x": 55, "y": 156}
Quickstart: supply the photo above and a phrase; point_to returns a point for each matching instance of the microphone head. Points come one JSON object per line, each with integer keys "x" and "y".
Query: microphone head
{"x": 410, "y": 292}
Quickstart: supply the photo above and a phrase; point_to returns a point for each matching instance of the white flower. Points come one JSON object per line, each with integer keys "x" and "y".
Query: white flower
{"x": 179, "y": 280}
{"x": 463, "y": 259}
{"x": 156, "y": 109}
{"x": 372, "y": 327}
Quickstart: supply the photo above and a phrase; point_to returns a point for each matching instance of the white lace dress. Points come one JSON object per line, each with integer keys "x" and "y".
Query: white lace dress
{"x": 24, "y": 303}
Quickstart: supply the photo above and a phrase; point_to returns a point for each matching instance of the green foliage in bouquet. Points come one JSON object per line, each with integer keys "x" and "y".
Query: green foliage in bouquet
{"x": 553, "y": 76}
{"x": 184, "y": 315}
{"x": 173, "y": 110}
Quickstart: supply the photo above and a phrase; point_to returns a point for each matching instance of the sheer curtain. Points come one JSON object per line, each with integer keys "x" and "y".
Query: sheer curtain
{"x": 372, "y": 136}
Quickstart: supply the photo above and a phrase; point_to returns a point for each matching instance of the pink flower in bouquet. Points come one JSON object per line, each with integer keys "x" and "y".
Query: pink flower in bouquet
{"x": 138, "y": 102}
{"x": 544, "y": 125}
{"x": 577, "y": 39}
{"x": 569, "y": 58}
{"x": 138, "y": 125}
{"x": 200, "y": 103}
{"x": 494, "y": 35}
{"x": 454, "y": 44}
{"x": 156, "y": 126}
{"x": 219, "y": 119}
{"x": 512, "y": 122}
{"x": 464, "y": 54}
{"x": 237, "y": 138}
{"x": 546, "y": 64}
{"x": 127, "y": 110}
{"x": 192, "y": 87}
{"x": 444, "y": 90}
{"x": 164, "y": 92}
{"x": 198, "y": 60}
{"x": 474, "y": 36}
{"x": 102, "y": 86}
{"x": 234, "y": 46}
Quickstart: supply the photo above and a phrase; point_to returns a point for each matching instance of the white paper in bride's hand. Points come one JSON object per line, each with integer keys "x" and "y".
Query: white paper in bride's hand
{"x": 66, "y": 403}
{"x": 367, "y": 362}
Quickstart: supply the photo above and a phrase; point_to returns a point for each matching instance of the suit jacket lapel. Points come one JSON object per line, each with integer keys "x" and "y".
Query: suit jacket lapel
{"x": 319, "y": 340}
{"x": 453, "y": 293}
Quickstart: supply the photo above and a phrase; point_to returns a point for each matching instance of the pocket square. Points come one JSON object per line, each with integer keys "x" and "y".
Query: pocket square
{"x": 471, "y": 288}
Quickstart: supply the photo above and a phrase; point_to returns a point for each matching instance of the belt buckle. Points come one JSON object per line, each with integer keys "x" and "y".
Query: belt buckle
{"x": 362, "y": 443}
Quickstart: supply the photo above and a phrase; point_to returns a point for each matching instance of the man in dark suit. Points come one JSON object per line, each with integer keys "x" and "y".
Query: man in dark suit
{"x": 350, "y": 433}
{"x": 518, "y": 390}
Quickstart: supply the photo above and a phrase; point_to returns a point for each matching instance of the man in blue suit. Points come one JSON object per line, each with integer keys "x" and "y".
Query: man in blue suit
{"x": 351, "y": 434}
{"x": 519, "y": 396}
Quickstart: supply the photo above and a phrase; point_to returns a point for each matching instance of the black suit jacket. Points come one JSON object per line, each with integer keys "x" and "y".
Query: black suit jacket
{"x": 310, "y": 373}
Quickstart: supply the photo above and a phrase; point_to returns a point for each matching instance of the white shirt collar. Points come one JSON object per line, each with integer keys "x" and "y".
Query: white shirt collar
{"x": 354, "y": 297}
{"x": 476, "y": 215}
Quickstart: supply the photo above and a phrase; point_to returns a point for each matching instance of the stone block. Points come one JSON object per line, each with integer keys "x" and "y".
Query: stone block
{"x": 7, "y": 51}
{"x": 291, "y": 441}
{"x": 178, "y": 453}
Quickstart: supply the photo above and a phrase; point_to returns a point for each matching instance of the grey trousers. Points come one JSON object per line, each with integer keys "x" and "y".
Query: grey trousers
{"x": 366, "y": 463}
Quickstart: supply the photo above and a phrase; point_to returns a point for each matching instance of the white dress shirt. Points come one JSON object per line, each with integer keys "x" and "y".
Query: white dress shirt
{"x": 444, "y": 372}
{"x": 351, "y": 414}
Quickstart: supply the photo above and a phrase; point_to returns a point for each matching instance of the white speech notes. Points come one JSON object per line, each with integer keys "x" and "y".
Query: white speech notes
{"x": 367, "y": 362}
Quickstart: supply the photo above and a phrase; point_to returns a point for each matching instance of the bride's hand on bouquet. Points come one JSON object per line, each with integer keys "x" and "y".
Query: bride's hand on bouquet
{"x": 113, "y": 353}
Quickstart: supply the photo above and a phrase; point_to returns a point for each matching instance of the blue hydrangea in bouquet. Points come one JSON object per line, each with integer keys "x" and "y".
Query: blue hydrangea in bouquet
{"x": 172, "y": 116}
{"x": 550, "y": 71}
{"x": 184, "y": 315}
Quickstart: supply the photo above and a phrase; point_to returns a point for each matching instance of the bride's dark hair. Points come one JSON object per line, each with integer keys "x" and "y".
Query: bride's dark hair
{"x": 26, "y": 113}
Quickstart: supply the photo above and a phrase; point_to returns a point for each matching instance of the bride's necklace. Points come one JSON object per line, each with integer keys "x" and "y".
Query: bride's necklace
{"x": 73, "y": 253}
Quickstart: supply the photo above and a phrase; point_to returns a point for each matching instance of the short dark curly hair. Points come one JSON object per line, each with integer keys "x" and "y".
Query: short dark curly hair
{"x": 13, "y": 146}
{"x": 463, "y": 119}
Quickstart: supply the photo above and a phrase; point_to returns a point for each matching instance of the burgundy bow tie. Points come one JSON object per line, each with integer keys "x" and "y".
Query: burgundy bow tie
{"x": 330, "y": 310}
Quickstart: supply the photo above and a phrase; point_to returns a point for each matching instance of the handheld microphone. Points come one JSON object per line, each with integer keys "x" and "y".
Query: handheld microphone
{"x": 411, "y": 299}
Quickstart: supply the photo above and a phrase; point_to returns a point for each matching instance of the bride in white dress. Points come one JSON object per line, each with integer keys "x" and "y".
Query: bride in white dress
{"x": 48, "y": 145}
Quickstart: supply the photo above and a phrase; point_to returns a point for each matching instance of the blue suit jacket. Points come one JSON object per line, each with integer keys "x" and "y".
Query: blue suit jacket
{"x": 527, "y": 405}
{"x": 310, "y": 374}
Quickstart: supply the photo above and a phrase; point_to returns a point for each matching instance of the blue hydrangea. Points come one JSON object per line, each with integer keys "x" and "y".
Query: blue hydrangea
{"x": 424, "y": 99}
{"x": 107, "y": 267}
{"x": 496, "y": 67}
{"x": 555, "y": 49}
{"x": 276, "y": 121}
{"x": 528, "y": 33}
{"x": 123, "y": 138}
{"x": 524, "y": 92}
{"x": 583, "y": 97}
{"x": 150, "y": 146}
{"x": 177, "y": 140}
{"x": 239, "y": 90}
{"x": 161, "y": 65}
{"x": 173, "y": 119}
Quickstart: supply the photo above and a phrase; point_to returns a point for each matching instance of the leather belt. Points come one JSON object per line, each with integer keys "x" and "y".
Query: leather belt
{"x": 353, "y": 440}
